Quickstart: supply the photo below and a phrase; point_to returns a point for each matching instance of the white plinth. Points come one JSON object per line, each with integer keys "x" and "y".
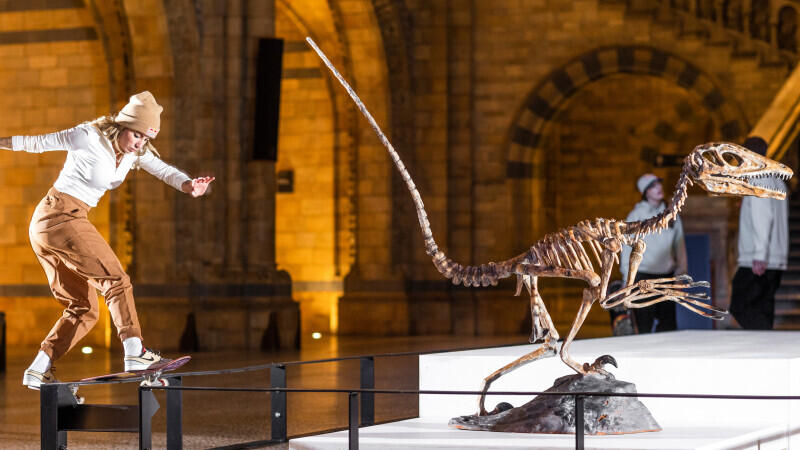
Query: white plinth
{"x": 429, "y": 434}
{"x": 681, "y": 362}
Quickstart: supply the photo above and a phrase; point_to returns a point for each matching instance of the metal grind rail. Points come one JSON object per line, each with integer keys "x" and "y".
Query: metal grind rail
{"x": 60, "y": 413}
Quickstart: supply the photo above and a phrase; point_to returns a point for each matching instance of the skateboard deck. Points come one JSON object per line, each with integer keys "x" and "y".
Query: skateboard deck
{"x": 151, "y": 373}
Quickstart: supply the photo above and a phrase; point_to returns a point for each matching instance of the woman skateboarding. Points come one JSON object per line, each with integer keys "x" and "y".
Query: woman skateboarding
{"x": 74, "y": 256}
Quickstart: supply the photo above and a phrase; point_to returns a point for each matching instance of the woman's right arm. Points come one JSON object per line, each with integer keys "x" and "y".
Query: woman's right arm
{"x": 60, "y": 140}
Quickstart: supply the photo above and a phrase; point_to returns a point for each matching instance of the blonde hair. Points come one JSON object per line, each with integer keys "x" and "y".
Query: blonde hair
{"x": 111, "y": 130}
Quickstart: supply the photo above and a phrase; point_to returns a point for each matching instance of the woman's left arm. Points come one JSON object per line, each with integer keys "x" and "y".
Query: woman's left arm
{"x": 196, "y": 187}
{"x": 174, "y": 177}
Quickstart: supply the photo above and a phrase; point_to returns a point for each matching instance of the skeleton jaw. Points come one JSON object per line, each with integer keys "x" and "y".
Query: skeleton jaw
{"x": 737, "y": 187}
{"x": 725, "y": 169}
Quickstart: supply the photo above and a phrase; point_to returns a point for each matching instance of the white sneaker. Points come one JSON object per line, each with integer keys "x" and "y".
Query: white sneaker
{"x": 148, "y": 359}
{"x": 34, "y": 379}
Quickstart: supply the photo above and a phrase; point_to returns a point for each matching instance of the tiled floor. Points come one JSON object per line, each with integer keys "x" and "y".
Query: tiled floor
{"x": 224, "y": 418}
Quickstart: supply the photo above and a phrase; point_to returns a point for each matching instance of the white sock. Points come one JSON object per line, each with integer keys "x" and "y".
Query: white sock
{"x": 41, "y": 363}
{"x": 133, "y": 346}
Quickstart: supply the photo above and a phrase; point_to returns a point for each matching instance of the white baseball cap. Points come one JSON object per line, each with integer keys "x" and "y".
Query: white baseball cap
{"x": 645, "y": 181}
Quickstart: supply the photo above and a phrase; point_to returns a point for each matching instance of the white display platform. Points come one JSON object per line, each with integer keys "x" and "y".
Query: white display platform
{"x": 680, "y": 362}
{"x": 431, "y": 434}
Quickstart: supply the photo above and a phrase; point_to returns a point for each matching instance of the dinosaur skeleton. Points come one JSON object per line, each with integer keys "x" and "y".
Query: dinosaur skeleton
{"x": 588, "y": 251}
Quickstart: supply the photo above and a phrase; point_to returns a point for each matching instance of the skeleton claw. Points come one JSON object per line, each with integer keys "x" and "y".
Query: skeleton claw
{"x": 598, "y": 366}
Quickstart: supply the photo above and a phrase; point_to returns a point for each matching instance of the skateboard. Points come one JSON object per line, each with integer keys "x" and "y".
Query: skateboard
{"x": 150, "y": 377}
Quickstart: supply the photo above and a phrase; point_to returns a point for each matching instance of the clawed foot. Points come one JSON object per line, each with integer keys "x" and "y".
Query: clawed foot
{"x": 648, "y": 292}
{"x": 502, "y": 406}
{"x": 598, "y": 366}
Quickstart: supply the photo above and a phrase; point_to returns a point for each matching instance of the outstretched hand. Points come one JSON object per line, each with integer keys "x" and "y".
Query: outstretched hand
{"x": 198, "y": 186}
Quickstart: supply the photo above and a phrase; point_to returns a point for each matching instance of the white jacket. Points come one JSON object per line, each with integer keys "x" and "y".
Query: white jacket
{"x": 764, "y": 228}
{"x": 91, "y": 167}
{"x": 665, "y": 252}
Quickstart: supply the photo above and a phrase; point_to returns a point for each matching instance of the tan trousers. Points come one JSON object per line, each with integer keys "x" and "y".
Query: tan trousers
{"x": 77, "y": 262}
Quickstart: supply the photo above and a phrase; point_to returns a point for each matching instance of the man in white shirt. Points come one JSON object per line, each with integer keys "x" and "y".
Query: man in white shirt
{"x": 763, "y": 252}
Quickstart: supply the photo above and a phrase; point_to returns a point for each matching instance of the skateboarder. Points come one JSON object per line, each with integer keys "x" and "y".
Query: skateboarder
{"x": 75, "y": 257}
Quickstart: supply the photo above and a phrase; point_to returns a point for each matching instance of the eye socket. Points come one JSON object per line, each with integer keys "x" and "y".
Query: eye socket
{"x": 732, "y": 159}
{"x": 712, "y": 158}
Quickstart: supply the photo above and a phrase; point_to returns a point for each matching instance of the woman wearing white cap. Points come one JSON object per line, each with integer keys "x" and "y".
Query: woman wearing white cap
{"x": 665, "y": 256}
{"x": 75, "y": 257}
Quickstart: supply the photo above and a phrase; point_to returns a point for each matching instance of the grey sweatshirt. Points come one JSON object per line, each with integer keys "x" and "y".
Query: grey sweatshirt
{"x": 665, "y": 252}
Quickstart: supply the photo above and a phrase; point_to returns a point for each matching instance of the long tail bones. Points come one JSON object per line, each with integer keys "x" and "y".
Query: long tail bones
{"x": 589, "y": 250}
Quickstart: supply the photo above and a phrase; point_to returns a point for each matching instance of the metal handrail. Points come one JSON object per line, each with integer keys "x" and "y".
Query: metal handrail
{"x": 353, "y": 407}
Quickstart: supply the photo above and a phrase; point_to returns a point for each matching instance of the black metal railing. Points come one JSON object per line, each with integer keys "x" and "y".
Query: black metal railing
{"x": 353, "y": 403}
{"x": 60, "y": 413}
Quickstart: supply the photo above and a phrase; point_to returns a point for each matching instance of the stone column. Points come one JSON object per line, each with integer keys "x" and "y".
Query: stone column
{"x": 374, "y": 300}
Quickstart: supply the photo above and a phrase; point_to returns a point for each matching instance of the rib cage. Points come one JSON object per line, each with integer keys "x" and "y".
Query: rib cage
{"x": 575, "y": 248}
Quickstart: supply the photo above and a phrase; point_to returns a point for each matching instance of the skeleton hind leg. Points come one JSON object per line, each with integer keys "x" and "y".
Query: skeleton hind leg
{"x": 545, "y": 351}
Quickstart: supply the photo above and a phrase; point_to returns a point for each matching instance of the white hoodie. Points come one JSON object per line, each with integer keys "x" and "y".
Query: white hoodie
{"x": 764, "y": 228}
{"x": 665, "y": 252}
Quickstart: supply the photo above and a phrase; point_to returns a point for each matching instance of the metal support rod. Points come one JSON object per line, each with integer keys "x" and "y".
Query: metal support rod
{"x": 579, "y": 422}
{"x": 148, "y": 405}
{"x": 353, "y": 423}
{"x": 175, "y": 415}
{"x": 277, "y": 379}
{"x": 51, "y": 437}
{"x": 367, "y": 398}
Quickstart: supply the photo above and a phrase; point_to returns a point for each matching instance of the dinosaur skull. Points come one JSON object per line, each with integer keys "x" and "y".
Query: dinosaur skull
{"x": 722, "y": 168}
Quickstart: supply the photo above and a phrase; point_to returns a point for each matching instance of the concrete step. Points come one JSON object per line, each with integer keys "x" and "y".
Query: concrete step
{"x": 787, "y": 326}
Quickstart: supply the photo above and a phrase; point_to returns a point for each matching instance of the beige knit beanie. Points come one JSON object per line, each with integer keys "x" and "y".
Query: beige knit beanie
{"x": 141, "y": 114}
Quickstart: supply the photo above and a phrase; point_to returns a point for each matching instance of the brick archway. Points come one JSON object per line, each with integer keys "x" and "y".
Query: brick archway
{"x": 524, "y": 167}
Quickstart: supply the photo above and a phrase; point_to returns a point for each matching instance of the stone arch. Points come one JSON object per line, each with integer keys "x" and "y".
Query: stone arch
{"x": 525, "y": 171}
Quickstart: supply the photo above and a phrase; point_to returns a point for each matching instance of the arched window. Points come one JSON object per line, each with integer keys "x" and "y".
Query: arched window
{"x": 787, "y": 29}
{"x": 759, "y": 20}
{"x": 732, "y": 14}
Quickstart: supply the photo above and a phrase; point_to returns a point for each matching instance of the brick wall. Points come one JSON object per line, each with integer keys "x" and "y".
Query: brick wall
{"x": 54, "y": 76}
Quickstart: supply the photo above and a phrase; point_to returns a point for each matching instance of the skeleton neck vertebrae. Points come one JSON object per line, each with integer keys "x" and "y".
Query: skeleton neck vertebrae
{"x": 659, "y": 222}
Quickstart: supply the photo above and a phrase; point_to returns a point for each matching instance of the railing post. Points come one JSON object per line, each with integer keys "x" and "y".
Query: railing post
{"x": 175, "y": 415}
{"x": 353, "y": 423}
{"x": 277, "y": 379}
{"x": 147, "y": 407}
{"x": 51, "y": 437}
{"x": 367, "y": 398}
{"x": 579, "y": 422}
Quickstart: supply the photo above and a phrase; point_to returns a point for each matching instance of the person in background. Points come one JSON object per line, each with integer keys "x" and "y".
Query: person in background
{"x": 763, "y": 252}
{"x": 665, "y": 256}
